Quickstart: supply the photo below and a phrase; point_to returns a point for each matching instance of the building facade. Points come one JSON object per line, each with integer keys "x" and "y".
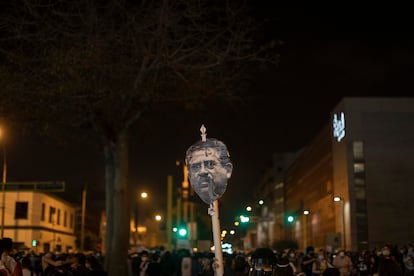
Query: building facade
{"x": 363, "y": 159}
{"x": 38, "y": 221}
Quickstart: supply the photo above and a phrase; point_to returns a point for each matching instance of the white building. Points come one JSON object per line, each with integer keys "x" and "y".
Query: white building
{"x": 38, "y": 221}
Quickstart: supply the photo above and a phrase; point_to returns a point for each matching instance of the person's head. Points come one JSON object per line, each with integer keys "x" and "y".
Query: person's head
{"x": 386, "y": 251}
{"x": 7, "y": 244}
{"x": 263, "y": 259}
{"x": 321, "y": 254}
{"x": 145, "y": 256}
{"x": 310, "y": 250}
{"x": 209, "y": 168}
{"x": 26, "y": 262}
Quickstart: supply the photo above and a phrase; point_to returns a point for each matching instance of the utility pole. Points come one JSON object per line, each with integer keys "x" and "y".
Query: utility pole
{"x": 82, "y": 241}
{"x": 168, "y": 226}
{"x": 3, "y": 190}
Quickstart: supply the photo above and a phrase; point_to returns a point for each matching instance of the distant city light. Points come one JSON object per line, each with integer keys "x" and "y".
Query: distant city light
{"x": 244, "y": 219}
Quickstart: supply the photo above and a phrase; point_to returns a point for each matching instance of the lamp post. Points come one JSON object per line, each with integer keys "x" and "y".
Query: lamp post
{"x": 340, "y": 199}
{"x": 305, "y": 228}
{"x": 3, "y": 185}
{"x": 143, "y": 196}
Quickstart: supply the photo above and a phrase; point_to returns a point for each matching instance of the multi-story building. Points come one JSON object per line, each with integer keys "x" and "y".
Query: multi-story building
{"x": 271, "y": 213}
{"x": 363, "y": 159}
{"x": 38, "y": 221}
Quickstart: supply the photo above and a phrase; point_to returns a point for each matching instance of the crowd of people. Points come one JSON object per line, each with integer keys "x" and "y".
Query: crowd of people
{"x": 15, "y": 263}
{"x": 385, "y": 261}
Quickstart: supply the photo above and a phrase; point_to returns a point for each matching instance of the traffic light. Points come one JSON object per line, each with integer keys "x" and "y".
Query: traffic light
{"x": 34, "y": 243}
{"x": 182, "y": 232}
{"x": 244, "y": 219}
{"x": 290, "y": 219}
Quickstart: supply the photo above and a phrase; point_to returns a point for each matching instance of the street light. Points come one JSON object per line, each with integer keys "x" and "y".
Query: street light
{"x": 340, "y": 199}
{"x": 3, "y": 184}
{"x": 244, "y": 219}
{"x": 143, "y": 196}
{"x": 305, "y": 227}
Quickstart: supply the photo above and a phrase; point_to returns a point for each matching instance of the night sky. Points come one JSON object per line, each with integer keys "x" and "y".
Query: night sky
{"x": 326, "y": 54}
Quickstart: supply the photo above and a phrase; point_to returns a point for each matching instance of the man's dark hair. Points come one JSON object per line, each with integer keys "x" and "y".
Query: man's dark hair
{"x": 263, "y": 255}
{"x": 310, "y": 249}
{"x": 7, "y": 244}
{"x": 224, "y": 155}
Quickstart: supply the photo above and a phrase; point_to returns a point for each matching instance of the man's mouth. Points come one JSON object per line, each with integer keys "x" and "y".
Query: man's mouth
{"x": 204, "y": 183}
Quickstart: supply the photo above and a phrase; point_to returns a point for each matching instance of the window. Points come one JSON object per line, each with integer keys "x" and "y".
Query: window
{"x": 358, "y": 150}
{"x": 359, "y": 181}
{"x": 360, "y": 193}
{"x": 42, "y": 218}
{"x": 58, "y": 217}
{"x": 359, "y": 167}
{"x": 21, "y": 210}
{"x": 52, "y": 211}
{"x": 65, "y": 219}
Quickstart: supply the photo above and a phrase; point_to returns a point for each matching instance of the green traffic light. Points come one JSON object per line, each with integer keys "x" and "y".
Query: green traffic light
{"x": 244, "y": 219}
{"x": 182, "y": 232}
{"x": 290, "y": 219}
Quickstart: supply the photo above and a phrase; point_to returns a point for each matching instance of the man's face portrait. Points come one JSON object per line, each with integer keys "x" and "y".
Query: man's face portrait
{"x": 208, "y": 173}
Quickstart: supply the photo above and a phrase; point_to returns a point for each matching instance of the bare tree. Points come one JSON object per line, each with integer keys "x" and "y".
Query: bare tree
{"x": 101, "y": 65}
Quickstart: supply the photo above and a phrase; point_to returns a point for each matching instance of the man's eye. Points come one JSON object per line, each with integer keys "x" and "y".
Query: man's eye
{"x": 209, "y": 164}
{"x": 196, "y": 167}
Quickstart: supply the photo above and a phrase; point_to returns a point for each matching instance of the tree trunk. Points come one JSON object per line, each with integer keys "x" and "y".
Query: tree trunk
{"x": 117, "y": 206}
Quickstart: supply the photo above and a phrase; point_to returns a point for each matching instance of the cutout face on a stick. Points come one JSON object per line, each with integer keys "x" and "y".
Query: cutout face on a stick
{"x": 209, "y": 168}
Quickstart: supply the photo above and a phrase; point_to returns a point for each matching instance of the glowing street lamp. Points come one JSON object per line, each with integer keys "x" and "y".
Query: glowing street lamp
{"x": 142, "y": 196}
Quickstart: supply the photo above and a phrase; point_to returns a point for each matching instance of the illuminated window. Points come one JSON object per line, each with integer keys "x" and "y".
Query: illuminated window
{"x": 279, "y": 186}
{"x": 359, "y": 181}
{"x": 359, "y": 167}
{"x": 358, "y": 150}
{"x": 360, "y": 193}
